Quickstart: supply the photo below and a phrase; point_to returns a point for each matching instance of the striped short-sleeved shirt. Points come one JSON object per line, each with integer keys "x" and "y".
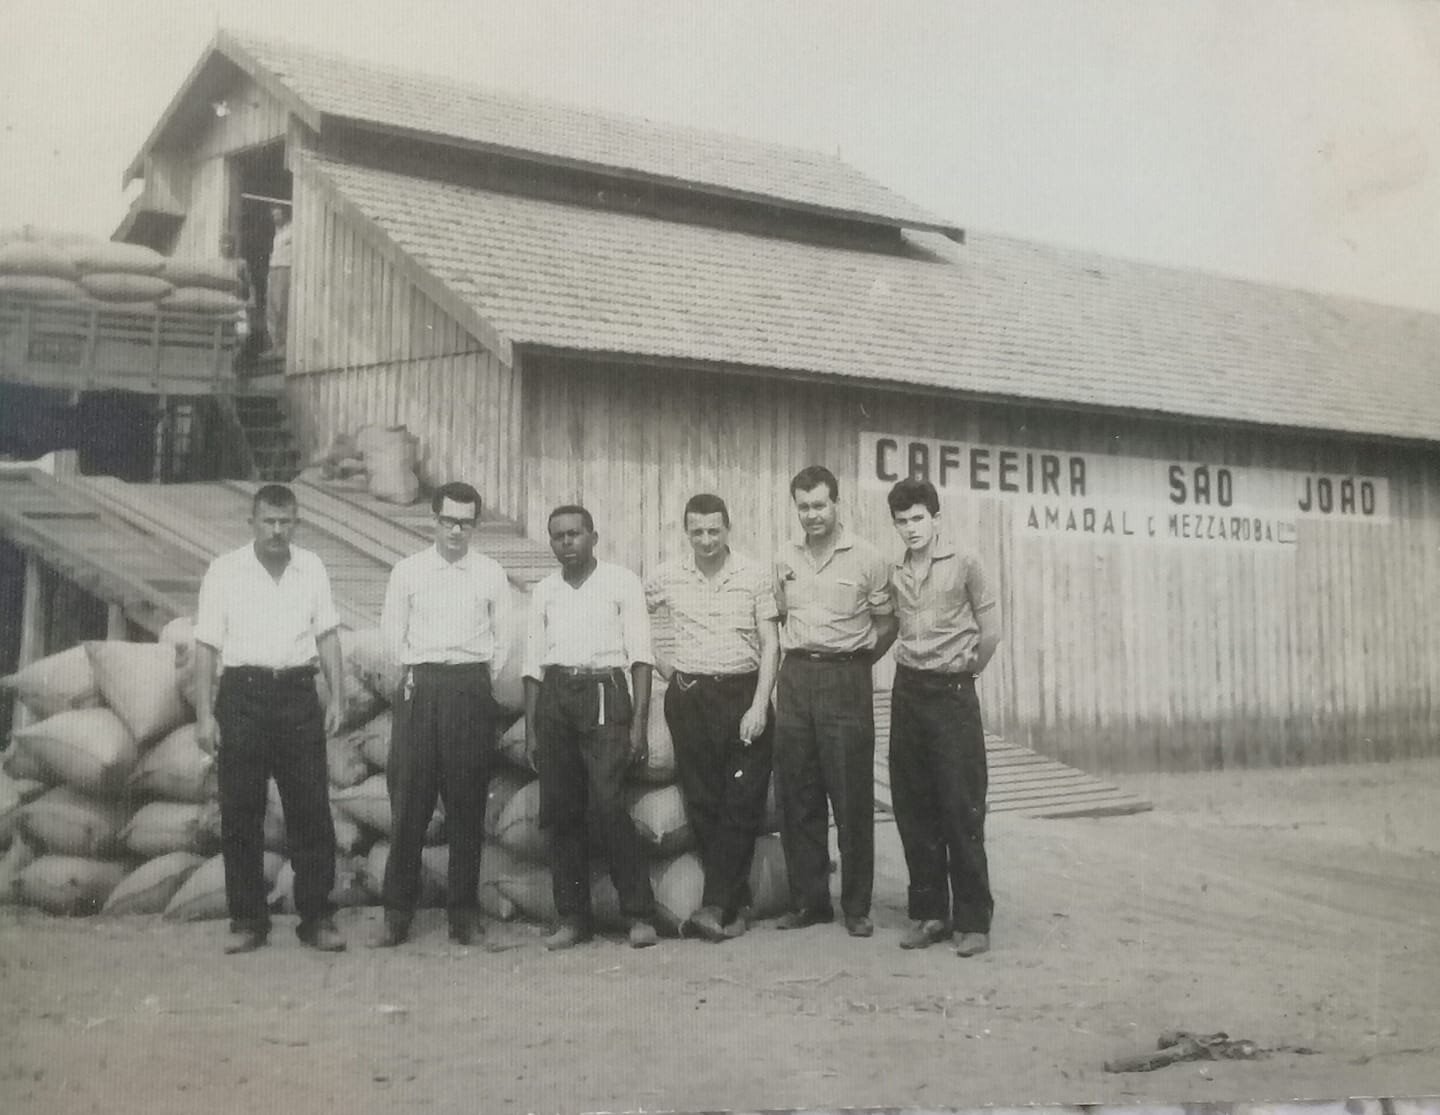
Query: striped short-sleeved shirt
{"x": 715, "y": 621}
{"x": 828, "y": 607}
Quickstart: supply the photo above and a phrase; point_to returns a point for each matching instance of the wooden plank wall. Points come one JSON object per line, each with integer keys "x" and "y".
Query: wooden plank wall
{"x": 200, "y": 169}
{"x": 1116, "y": 656}
{"x": 370, "y": 348}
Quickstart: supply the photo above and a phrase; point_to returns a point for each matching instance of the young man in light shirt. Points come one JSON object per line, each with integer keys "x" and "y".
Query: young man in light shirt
{"x": 949, "y": 629}
{"x": 833, "y": 593}
{"x": 445, "y": 621}
{"x": 265, "y": 616}
{"x": 588, "y": 626}
{"x": 721, "y": 608}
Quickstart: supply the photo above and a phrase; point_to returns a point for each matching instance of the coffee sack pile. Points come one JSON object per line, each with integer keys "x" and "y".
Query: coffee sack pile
{"x": 61, "y": 269}
{"x": 109, "y": 805}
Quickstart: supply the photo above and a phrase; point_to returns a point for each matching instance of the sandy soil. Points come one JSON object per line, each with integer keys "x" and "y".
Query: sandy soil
{"x": 1292, "y": 908}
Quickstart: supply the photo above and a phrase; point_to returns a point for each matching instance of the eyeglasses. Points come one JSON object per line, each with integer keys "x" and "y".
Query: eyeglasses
{"x": 447, "y": 523}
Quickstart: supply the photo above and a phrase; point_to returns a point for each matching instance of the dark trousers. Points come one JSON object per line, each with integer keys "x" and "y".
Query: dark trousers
{"x": 825, "y": 748}
{"x": 724, "y": 781}
{"x": 938, "y": 780}
{"x": 273, "y": 728}
{"x": 442, "y": 744}
{"x": 583, "y": 764}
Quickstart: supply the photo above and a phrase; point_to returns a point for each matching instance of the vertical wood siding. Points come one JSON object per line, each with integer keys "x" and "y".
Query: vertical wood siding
{"x": 1116, "y": 656}
{"x": 368, "y": 347}
{"x": 206, "y": 209}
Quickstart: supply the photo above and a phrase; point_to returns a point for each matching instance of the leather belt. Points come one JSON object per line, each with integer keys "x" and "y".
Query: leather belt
{"x": 828, "y": 655}
{"x": 270, "y": 673}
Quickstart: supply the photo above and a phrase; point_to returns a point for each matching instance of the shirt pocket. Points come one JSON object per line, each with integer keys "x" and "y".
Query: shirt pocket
{"x": 844, "y": 596}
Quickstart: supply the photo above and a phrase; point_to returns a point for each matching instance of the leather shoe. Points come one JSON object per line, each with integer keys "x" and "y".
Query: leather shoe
{"x": 972, "y": 944}
{"x": 642, "y": 934}
{"x": 923, "y": 934}
{"x": 321, "y": 936}
{"x": 567, "y": 935}
{"x": 802, "y": 919}
{"x": 395, "y": 931}
{"x": 705, "y": 922}
{"x": 464, "y": 928}
{"x": 245, "y": 940}
{"x": 858, "y": 925}
{"x": 737, "y": 927}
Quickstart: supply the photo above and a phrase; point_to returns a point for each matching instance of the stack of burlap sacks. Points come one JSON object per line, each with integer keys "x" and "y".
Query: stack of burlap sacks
{"x": 67, "y": 270}
{"x": 108, "y": 804}
{"x": 380, "y": 460}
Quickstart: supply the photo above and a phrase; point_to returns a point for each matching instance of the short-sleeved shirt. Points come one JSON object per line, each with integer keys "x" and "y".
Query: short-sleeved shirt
{"x": 599, "y": 625}
{"x": 938, "y": 610}
{"x": 254, "y": 620}
{"x": 715, "y": 620}
{"x": 828, "y": 607}
{"x": 446, "y": 611}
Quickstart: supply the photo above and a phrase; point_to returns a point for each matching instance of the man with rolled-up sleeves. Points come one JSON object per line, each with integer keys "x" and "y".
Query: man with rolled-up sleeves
{"x": 833, "y": 593}
{"x": 584, "y": 725}
{"x": 266, "y": 616}
{"x": 949, "y": 629}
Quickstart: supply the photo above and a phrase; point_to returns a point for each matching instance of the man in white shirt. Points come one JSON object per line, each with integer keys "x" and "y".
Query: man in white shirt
{"x": 588, "y": 624}
{"x": 723, "y": 618}
{"x": 445, "y": 621}
{"x": 265, "y": 615}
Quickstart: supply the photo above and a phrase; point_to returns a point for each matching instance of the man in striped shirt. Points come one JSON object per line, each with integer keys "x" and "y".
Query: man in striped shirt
{"x": 723, "y": 618}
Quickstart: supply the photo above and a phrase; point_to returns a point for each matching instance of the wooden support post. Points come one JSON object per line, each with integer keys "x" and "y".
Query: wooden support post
{"x": 34, "y": 622}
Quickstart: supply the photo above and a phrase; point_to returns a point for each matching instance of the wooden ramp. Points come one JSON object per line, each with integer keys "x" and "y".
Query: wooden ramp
{"x": 1021, "y": 781}
{"x": 65, "y": 527}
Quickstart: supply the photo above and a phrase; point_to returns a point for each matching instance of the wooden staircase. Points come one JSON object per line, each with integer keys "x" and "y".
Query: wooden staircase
{"x": 274, "y": 456}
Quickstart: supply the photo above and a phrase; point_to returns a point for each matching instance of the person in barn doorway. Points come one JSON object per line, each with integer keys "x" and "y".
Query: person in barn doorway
{"x": 266, "y": 618}
{"x": 721, "y": 670}
{"x": 832, "y": 591}
{"x": 444, "y": 621}
{"x": 949, "y": 629}
{"x": 277, "y": 281}
{"x": 585, "y": 726}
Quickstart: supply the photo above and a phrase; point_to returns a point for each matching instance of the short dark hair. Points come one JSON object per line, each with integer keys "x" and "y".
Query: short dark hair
{"x": 812, "y": 476}
{"x": 704, "y": 503}
{"x": 275, "y": 495}
{"x": 456, "y": 492}
{"x": 907, "y": 493}
{"x": 572, "y": 509}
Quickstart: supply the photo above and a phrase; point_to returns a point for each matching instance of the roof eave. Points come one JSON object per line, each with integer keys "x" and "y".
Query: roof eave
{"x": 526, "y": 350}
{"x": 229, "y": 47}
{"x": 950, "y": 231}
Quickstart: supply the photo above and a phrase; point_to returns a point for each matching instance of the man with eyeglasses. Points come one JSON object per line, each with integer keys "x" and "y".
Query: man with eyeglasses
{"x": 445, "y": 621}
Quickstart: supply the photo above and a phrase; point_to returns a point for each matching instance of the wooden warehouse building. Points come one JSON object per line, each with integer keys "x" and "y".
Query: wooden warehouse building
{"x": 1212, "y": 506}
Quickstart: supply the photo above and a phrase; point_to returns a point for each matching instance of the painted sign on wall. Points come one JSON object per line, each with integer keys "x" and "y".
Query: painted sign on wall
{"x": 1099, "y": 496}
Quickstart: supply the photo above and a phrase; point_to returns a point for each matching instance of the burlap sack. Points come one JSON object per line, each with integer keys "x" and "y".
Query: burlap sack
{"x": 202, "y": 895}
{"x": 115, "y": 257}
{"x": 123, "y": 287}
{"x": 63, "y": 821}
{"x": 90, "y": 749}
{"x": 140, "y": 682}
{"x": 55, "y": 683}
{"x": 150, "y": 887}
{"x": 69, "y": 885}
{"x": 176, "y": 769}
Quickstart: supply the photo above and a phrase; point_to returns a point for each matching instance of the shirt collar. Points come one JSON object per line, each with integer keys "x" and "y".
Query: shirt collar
{"x": 437, "y": 560}
{"x": 689, "y": 565}
{"x": 843, "y": 541}
{"x": 943, "y": 548}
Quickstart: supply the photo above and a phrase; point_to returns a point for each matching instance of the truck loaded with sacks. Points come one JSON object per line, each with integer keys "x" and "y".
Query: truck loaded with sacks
{"x": 89, "y": 314}
{"x": 108, "y": 805}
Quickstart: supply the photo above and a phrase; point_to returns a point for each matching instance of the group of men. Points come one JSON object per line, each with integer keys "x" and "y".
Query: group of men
{"x": 768, "y": 670}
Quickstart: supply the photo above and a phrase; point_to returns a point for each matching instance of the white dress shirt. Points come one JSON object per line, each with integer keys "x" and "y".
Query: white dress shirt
{"x": 601, "y": 624}
{"x": 251, "y": 619}
{"x": 446, "y": 611}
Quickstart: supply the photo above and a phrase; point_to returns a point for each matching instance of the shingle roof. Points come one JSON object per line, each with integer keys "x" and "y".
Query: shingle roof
{"x": 997, "y": 317}
{"x": 334, "y": 86}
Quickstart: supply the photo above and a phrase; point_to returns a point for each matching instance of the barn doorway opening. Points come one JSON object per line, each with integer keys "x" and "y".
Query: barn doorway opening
{"x": 260, "y": 207}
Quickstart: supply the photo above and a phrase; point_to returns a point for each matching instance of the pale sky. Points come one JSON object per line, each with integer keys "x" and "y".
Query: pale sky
{"x": 1292, "y": 141}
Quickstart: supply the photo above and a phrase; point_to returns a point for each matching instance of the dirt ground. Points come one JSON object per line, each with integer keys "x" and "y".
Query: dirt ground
{"x": 1295, "y": 908}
